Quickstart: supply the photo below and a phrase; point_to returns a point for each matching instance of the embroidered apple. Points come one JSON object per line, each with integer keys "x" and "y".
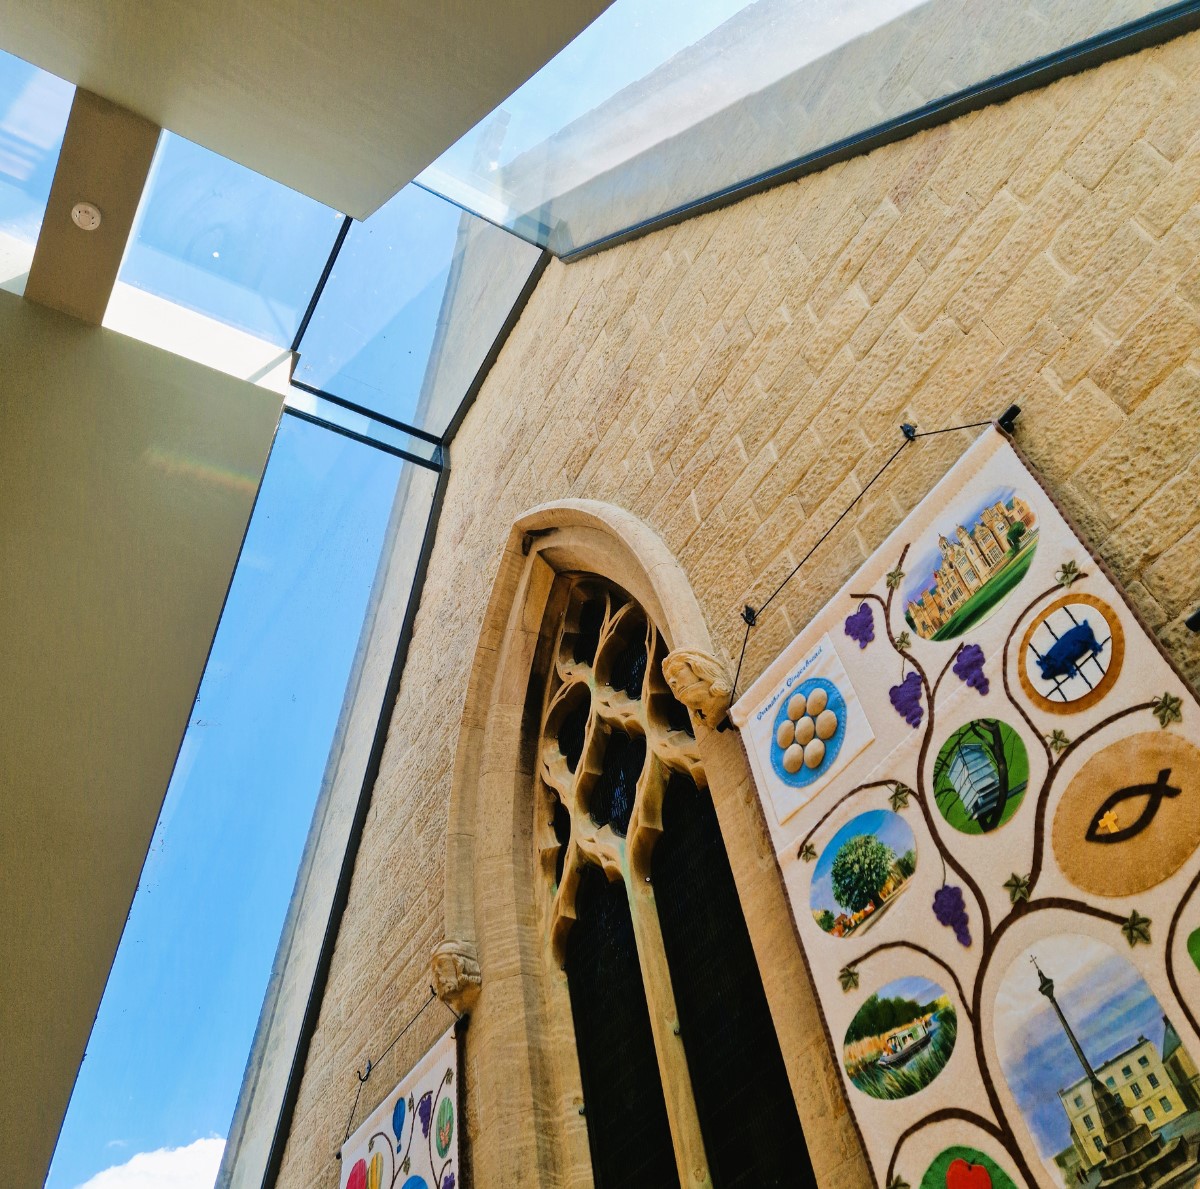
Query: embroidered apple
{"x": 961, "y": 1175}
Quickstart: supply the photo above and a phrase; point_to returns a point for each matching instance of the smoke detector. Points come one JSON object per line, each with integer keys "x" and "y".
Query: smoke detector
{"x": 86, "y": 215}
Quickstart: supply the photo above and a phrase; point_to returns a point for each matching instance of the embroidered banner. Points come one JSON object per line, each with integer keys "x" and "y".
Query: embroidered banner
{"x": 982, "y": 781}
{"x": 410, "y": 1141}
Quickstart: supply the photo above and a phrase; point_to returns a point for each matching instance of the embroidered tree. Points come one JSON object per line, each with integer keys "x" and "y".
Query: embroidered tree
{"x": 859, "y": 870}
{"x": 915, "y": 699}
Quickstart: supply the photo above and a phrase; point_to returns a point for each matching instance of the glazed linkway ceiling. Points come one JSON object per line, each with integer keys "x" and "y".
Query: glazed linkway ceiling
{"x": 344, "y": 102}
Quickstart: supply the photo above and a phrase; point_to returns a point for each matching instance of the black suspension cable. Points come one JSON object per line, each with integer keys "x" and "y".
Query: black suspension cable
{"x": 371, "y": 1065}
{"x": 750, "y": 615}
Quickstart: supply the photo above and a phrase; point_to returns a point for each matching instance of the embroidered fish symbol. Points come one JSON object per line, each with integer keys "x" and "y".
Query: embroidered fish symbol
{"x": 1103, "y": 824}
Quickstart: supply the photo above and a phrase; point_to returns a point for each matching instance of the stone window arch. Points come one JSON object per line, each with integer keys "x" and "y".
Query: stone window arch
{"x": 502, "y": 953}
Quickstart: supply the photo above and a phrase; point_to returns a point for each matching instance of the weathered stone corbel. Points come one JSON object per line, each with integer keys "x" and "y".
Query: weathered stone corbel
{"x": 700, "y": 682}
{"x": 456, "y": 976}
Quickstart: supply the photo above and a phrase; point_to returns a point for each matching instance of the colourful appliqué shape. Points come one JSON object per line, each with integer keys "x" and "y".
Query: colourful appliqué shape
{"x": 951, "y": 910}
{"x": 861, "y": 625}
{"x": 1136, "y": 929}
{"x": 906, "y": 698}
{"x": 961, "y": 1175}
{"x": 968, "y": 668}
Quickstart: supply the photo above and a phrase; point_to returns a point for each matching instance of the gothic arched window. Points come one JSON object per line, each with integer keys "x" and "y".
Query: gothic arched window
{"x": 680, "y": 1068}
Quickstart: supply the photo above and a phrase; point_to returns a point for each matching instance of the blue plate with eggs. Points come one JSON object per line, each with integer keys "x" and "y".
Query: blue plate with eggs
{"x": 807, "y": 772}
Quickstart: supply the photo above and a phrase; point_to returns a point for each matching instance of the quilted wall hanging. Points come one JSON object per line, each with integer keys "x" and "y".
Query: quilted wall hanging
{"x": 981, "y": 776}
{"x": 410, "y": 1141}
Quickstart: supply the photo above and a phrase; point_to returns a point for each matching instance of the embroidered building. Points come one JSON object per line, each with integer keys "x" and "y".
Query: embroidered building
{"x": 969, "y": 560}
{"x": 1146, "y": 1085}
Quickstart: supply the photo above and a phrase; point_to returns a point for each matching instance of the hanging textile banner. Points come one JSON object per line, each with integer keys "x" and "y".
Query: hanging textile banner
{"x": 410, "y": 1141}
{"x": 981, "y": 776}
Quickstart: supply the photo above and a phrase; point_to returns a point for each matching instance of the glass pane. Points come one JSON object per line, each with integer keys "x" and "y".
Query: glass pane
{"x": 224, "y": 241}
{"x": 628, "y": 1130}
{"x": 658, "y": 105}
{"x": 733, "y": 1055}
{"x": 414, "y": 302}
{"x": 377, "y": 431}
{"x": 34, "y": 107}
{"x": 166, "y": 1055}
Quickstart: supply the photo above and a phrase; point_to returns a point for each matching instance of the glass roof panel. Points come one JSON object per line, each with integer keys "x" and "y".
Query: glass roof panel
{"x": 385, "y": 435}
{"x": 34, "y": 107}
{"x": 164, "y": 1063}
{"x": 224, "y": 241}
{"x": 414, "y": 302}
{"x": 660, "y": 104}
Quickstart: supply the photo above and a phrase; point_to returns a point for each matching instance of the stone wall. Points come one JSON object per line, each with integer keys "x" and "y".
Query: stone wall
{"x": 734, "y": 381}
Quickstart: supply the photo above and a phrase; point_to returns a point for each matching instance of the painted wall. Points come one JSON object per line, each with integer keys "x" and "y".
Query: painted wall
{"x": 734, "y": 381}
{"x": 127, "y": 476}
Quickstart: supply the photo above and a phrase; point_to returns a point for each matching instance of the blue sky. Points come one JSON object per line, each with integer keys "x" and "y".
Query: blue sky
{"x": 888, "y": 827}
{"x": 33, "y": 114}
{"x": 1107, "y": 1004}
{"x": 165, "y": 1059}
{"x": 919, "y": 990}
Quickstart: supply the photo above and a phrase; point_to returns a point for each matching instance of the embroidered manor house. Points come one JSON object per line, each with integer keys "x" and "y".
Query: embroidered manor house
{"x": 968, "y": 562}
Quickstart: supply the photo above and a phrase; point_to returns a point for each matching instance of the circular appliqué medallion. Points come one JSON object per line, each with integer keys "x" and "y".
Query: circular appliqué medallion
{"x": 810, "y": 727}
{"x": 1071, "y": 654}
{"x": 1128, "y": 819}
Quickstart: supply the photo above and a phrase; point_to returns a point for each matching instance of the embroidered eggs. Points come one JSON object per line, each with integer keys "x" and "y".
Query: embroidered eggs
{"x": 803, "y": 734}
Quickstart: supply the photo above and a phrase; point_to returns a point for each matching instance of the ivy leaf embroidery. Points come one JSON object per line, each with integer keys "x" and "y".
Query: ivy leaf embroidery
{"x": 848, "y": 977}
{"x": 1068, "y": 574}
{"x": 894, "y": 578}
{"x": 900, "y": 795}
{"x": 898, "y": 1182}
{"x": 1057, "y": 740}
{"x": 808, "y": 852}
{"x": 1017, "y": 887}
{"x": 1167, "y": 708}
{"x": 407, "y": 1164}
{"x": 903, "y": 642}
{"x": 1136, "y": 928}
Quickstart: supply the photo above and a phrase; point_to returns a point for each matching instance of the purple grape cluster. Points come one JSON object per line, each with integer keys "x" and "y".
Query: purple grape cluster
{"x": 861, "y": 625}
{"x": 951, "y": 910}
{"x": 424, "y": 1110}
{"x": 969, "y": 668}
{"x": 906, "y": 697}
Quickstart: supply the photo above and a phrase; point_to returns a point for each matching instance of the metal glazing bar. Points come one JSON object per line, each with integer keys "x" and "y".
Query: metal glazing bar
{"x": 370, "y": 414}
{"x": 498, "y": 342}
{"x": 430, "y": 464}
{"x": 343, "y": 231}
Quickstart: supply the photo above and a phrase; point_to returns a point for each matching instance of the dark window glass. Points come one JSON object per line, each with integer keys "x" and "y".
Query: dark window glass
{"x": 628, "y": 1132}
{"x": 562, "y": 831}
{"x": 591, "y": 620}
{"x": 613, "y": 793}
{"x": 629, "y": 667}
{"x": 571, "y": 734}
{"x": 678, "y": 718}
{"x": 751, "y": 1130}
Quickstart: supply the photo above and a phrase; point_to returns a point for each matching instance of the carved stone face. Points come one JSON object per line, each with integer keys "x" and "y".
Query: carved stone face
{"x": 700, "y": 682}
{"x": 454, "y": 969}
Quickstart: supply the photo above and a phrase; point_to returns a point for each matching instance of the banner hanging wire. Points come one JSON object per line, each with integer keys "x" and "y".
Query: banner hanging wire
{"x": 750, "y": 615}
{"x": 365, "y": 1074}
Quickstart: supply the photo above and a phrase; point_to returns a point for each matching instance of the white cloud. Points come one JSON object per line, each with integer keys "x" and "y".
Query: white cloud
{"x": 193, "y": 1167}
